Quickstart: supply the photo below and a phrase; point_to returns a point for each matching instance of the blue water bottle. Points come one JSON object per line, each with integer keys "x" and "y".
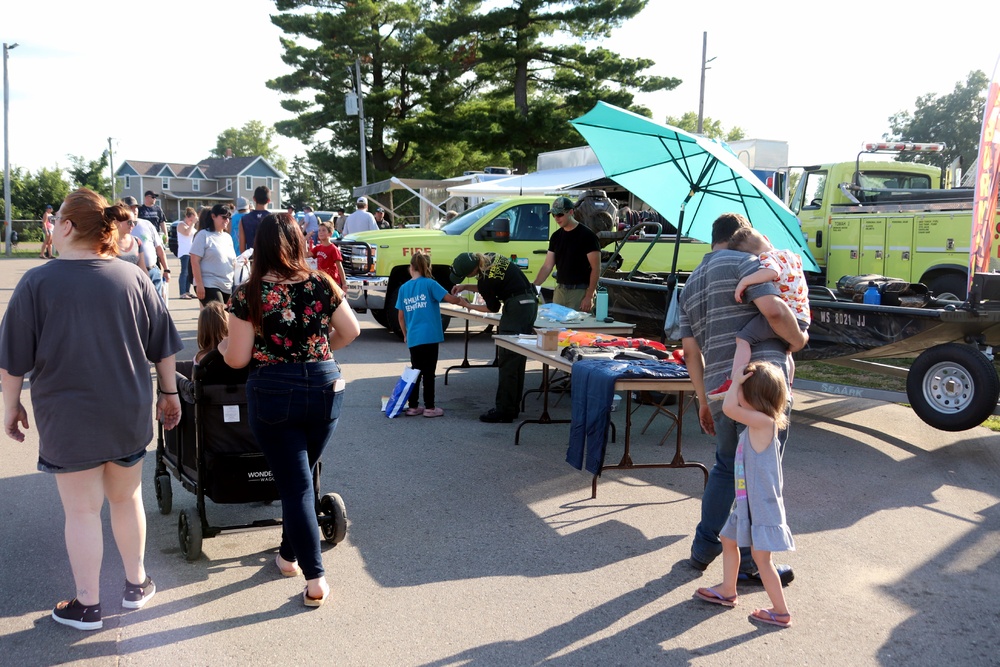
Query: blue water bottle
{"x": 872, "y": 294}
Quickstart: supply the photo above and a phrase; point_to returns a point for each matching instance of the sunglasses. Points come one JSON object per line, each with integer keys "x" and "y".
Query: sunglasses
{"x": 557, "y": 215}
{"x": 227, "y": 216}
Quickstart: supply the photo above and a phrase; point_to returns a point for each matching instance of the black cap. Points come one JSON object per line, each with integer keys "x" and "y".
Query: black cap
{"x": 150, "y": 193}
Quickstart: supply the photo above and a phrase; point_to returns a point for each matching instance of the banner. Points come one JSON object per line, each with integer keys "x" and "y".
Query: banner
{"x": 987, "y": 183}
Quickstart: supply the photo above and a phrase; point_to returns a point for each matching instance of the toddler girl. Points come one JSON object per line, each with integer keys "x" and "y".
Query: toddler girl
{"x": 213, "y": 326}
{"x": 758, "y": 398}
{"x": 419, "y": 311}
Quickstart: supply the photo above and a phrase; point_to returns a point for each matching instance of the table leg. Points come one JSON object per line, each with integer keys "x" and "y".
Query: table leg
{"x": 465, "y": 357}
{"x": 544, "y": 418}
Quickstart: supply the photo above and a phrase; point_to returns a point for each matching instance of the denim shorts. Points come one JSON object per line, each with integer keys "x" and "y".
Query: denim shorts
{"x": 126, "y": 462}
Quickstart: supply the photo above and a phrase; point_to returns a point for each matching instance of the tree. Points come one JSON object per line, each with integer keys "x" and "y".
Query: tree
{"x": 254, "y": 138}
{"x": 30, "y": 193}
{"x": 533, "y": 67}
{"x": 710, "y": 128}
{"x": 308, "y": 185}
{"x": 91, "y": 174}
{"x": 955, "y": 119}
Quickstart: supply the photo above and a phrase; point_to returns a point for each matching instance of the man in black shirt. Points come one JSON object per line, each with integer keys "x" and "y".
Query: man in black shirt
{"x": 151, "y": 211}
{"x": 250, "y": 221}
{"x": 575, "y": 253}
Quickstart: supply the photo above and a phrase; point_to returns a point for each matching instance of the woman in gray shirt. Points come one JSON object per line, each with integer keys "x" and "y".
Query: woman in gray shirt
{"x": 213, "y": 255}
{"x": 86, "y": 327}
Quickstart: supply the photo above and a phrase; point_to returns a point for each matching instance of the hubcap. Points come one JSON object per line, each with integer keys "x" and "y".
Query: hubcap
{"x": 948, "y": 388}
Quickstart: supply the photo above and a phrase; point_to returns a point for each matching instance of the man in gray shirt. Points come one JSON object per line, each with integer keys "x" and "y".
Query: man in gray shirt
{"x": 710, "y": 319}
{"x": 361, "y": 220}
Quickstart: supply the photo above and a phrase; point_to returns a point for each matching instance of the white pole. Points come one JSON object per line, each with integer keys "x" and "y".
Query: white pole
{"x": 6, "y": 151}
{"x": 111, "y": 166}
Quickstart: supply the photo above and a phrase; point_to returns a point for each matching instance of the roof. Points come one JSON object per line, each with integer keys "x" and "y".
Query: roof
{"x": 567, "y": 179}
{"x": 217, "y": 167}
{"x": 211, "y": 167}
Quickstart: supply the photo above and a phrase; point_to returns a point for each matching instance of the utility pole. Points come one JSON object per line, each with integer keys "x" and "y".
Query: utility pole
{"x": 701, "y": 96}
{"x": 8, "y": 227}
{"x": 361, "y": 123}
{"x": 111, "y": 166}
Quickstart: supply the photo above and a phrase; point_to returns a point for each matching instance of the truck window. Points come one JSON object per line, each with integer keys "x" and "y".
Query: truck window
{"x": 531, "y": 223}
{"x": 894, "y": 180}
{"x": 814, "y": 184}
{"x": 460, "y": 224}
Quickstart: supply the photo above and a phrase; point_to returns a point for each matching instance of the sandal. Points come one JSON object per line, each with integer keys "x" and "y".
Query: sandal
{"x": 715, "y": 597}
{"x": 771, "y": 618}
{"x": 294, "y": 572}
{"x": 310, "y": 601}
{"x": 414, "y": 412}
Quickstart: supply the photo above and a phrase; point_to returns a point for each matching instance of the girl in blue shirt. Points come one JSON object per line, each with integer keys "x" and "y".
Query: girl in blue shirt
{"x": 419, "y": 309}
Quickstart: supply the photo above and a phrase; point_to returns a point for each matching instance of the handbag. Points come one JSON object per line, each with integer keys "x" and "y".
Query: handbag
{"x": 672, "y": 322}
{"x": 401, "y": 392}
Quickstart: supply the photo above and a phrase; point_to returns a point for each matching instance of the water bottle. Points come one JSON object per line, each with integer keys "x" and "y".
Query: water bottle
{"x": 872, "y": 294}
{"x": 602, "y": 303}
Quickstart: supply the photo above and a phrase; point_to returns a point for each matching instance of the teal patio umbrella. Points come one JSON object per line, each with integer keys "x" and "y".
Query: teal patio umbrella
{"x": 669, "y": 168}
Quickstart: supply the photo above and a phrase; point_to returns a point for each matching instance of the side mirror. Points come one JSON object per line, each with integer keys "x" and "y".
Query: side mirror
{"x": 497, "y": 230}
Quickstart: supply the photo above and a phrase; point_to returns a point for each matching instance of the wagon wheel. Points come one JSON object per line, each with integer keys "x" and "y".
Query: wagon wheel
{"x": 333, "y": 520}
{"x": 190, "y": 534}
{"x": 164, "y": 494}
{"x": 953, "y": 387}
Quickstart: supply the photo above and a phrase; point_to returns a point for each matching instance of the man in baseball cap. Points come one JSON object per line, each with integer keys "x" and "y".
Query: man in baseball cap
{"x": 575, "y": 252}
{"x": 361, "y": 220}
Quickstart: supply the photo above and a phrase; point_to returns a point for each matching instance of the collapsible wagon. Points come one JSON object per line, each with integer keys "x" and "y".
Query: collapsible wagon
{"x": 213, "y": 454}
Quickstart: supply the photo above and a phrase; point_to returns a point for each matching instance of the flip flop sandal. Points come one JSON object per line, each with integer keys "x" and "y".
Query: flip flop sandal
{"x": 715, "y": 597}
{"x": 771, "y": 618}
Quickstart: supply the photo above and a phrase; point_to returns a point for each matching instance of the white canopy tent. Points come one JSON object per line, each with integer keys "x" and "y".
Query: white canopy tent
{"x": 536, "y": 183}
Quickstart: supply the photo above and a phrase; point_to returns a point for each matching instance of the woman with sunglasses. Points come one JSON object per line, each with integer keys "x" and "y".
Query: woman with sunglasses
{"x": 86, "y": 327}
{"x": 285, "y": 323}
{"x": 213, "y": 256}
{"x": 129, "y": 247}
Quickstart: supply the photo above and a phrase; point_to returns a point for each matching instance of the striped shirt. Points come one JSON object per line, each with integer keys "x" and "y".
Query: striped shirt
{"x": 711, "y": 315}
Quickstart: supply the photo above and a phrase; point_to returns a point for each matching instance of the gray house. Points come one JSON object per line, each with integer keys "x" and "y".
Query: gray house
{"x": 211, "y": 181}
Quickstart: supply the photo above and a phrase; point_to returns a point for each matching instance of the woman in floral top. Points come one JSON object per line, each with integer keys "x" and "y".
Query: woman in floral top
{"x": 286, "y": 321}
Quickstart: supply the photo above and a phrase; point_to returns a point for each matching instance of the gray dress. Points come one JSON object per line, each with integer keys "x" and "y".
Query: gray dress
{"x": 758, "y": 516}
{"x": 86, "y": 330}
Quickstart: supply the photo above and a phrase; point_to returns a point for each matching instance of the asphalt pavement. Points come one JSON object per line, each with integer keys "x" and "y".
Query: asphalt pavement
{"x": 464, "y": 549}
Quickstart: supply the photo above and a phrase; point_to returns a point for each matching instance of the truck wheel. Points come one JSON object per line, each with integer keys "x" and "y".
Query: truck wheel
{"x": 953, "y": 387}
{"x": 949, "y": 286}
{"x": 390, "y": 313}
{"x": 379, "y": 316}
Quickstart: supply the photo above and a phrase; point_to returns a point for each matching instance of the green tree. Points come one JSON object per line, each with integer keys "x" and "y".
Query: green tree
{"x": 308, "y": 185}
{"x": 710, "y": 128}
{"x": 254, "y": 138}
{"x": 955, "y": 119}
{"x": 91, "y": 174}
{"x": 539, "y": 64}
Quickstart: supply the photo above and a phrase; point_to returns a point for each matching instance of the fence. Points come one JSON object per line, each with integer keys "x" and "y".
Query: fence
{"x": 29, "y": 231}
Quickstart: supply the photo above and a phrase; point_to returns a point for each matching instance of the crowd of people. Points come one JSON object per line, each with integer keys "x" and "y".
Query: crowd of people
{"x": 284, "y": 324}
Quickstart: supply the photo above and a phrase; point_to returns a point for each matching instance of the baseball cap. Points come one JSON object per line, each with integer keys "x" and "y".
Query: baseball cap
{"x": 363, "y": 200}
{"x": 242, "y": 204}
{"x": 380, "y": 210}
{"x": 463, "y": 265}
{"x": 561, "y": 205}
{"x": 129, "y": 201}
{"x": 150, "y": 193}
{"x": 48, "y": 207}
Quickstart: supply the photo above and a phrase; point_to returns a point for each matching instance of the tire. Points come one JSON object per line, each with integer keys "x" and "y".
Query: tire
{"x": 390, "y": 313}
{"x": 949, "y": 286}
{"x": 953, "y": 387}
{"x": 333, "y": 519}
{"x": 190, "y": 535}
{"x": 164, "y": 494}
{"x": 379, "y": 316}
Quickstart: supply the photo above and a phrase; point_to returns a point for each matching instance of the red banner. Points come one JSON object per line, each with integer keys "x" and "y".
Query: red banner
{"x": 987, "y": 184}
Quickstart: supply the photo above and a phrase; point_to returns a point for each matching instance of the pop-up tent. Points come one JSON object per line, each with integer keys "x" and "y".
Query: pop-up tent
{"x": 537, "y": 183}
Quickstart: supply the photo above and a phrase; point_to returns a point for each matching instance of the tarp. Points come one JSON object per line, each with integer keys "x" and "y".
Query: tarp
{"x": 536, "y": 183}
{"x": 987, "y": 181}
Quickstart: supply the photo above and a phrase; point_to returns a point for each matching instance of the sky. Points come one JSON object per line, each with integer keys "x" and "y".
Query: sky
{"x": 163, "y": 80}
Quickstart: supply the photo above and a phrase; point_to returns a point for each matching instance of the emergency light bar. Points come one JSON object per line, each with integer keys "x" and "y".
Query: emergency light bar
{"x": 895, "y": 146}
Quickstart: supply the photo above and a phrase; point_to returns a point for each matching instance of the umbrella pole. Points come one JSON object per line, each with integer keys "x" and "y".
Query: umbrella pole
{"x": 672, "y": 278}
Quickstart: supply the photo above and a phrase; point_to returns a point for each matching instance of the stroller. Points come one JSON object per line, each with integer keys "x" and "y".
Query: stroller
{"x": 213, "y": 454}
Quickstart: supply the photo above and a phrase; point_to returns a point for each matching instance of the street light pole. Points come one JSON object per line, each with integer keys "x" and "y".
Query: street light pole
{"x": 111, "y": 167}
{"x": 701, "y": 95}
{"x": 6, "y": 152}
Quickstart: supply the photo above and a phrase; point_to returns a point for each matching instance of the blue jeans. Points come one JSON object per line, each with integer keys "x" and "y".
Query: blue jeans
{"x": 720, "y": 492}
{"x": 185, "y": 278}
{"x": 293, "y": 411}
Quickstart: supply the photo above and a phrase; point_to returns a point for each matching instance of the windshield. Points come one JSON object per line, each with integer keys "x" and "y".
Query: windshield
{"x": 460, "y": 224}
{"x": 870, "y": 180}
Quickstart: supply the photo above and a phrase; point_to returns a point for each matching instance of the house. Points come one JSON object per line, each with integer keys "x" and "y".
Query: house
{"x": 211, "y": 181}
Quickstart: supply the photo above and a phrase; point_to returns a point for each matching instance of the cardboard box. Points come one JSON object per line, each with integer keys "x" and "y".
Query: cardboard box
{"x": 548, "y": 339}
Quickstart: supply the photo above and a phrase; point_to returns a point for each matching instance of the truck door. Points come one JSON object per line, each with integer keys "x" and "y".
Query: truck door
{"x": 872, "y": 246}
{"x": 899, "y": 247}
{"x": 529, "y": 237}
{"x": 844, "y": 248}
{"x": 807, "y": 204}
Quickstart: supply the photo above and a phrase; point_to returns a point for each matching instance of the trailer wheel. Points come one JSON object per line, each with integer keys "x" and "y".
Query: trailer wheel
{"x": 953, "y": 387}
{"x": 333, "y": 521}
{"x": 190, "y": 535}
{"x": 164, "y": 494}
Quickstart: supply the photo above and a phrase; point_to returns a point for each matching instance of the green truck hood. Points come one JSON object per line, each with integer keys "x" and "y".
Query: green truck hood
{"x": 395, "y": 236}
